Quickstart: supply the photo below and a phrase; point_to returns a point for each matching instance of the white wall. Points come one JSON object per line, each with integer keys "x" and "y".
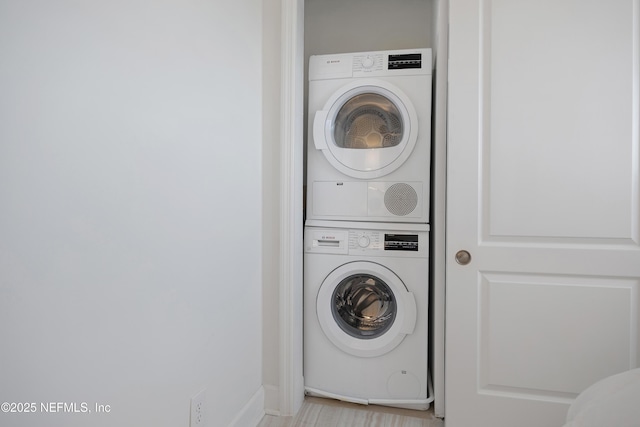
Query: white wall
{"x": 130, "y": 220}
{"x": 336, "y": 26}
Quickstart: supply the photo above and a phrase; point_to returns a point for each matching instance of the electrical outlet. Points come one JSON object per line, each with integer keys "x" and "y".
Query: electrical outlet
{"x": 197, "y": 410}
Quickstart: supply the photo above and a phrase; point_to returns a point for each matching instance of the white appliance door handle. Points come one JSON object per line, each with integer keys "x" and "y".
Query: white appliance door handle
{"x": 319, "y": 121}
{"x": 409, "y": 323}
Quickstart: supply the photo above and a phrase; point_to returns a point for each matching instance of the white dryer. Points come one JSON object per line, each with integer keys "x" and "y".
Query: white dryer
{"x": 366, "y": 313}
{"x": 369, "y": 139}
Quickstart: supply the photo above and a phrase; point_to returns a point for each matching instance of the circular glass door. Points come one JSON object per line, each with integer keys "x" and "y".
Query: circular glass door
{"x": 365, "y": 309}
{"x": 368, "y": 120}
{"x": 366, "y": 130}
{"x": 363, "y": 306}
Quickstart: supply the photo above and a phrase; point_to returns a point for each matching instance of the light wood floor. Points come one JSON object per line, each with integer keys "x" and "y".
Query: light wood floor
{"x": 317, "y": 412}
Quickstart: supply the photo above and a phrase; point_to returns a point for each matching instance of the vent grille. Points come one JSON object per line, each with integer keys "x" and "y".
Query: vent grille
{"x": 400, "y": 199}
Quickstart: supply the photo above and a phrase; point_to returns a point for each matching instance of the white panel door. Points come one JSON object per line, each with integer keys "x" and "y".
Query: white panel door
{"x": 543, "y": 192}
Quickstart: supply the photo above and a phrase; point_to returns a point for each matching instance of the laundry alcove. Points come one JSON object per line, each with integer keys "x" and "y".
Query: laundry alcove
{"x": 336, "y": 26}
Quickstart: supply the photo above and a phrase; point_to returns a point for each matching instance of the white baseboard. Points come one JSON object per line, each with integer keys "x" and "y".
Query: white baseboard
{"x": 251, "y": 414}
{"x": 272, "y": 400}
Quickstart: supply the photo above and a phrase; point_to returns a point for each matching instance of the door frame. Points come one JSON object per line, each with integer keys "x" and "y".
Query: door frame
{"x": 291, "y": 202}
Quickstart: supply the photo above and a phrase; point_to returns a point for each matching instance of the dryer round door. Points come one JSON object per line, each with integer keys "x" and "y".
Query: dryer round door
{"x": 365, "y": 309}
{"x": 367, "y": 129}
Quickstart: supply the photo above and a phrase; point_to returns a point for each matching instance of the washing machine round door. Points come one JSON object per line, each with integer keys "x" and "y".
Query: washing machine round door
{"x": 365, "y": 309}
{"x": 367, "y": 129}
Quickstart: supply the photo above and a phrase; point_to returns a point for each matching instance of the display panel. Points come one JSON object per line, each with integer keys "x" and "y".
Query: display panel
{"x": 399, "y": 62}
{"x": 401, "y": 242}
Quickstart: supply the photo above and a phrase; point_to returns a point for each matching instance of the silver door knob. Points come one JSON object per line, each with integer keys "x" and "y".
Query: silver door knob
{"x": 463, "y": 257}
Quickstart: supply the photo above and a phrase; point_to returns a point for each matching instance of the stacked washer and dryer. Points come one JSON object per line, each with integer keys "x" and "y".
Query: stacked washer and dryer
{"x": 366, "y": 240}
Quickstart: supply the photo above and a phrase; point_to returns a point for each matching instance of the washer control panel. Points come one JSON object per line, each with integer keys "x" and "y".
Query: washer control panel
{"x": 364, "y": 239}
{"x": 401, "y": 242}
{"x": 369, "y": 240}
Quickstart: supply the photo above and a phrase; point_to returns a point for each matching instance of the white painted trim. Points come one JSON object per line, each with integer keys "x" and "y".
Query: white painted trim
{"x": 272, "y": 400}
{"x": 439, "y": 219}
{"x": 252, "y": 413}
{"x": 291, "y": 380}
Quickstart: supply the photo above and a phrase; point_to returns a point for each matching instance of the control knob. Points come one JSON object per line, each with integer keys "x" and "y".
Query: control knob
{"x": 367, "y": 62}
{"x": 363, "y": 241}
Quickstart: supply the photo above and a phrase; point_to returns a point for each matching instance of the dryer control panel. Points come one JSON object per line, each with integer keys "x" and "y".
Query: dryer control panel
{"x": 404, "y": 62}
{"x": 390, "y": 63}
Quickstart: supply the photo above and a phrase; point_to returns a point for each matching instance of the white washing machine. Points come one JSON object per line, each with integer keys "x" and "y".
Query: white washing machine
{"x": 366, "y": 313}
{"x": 369, "y": 140}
